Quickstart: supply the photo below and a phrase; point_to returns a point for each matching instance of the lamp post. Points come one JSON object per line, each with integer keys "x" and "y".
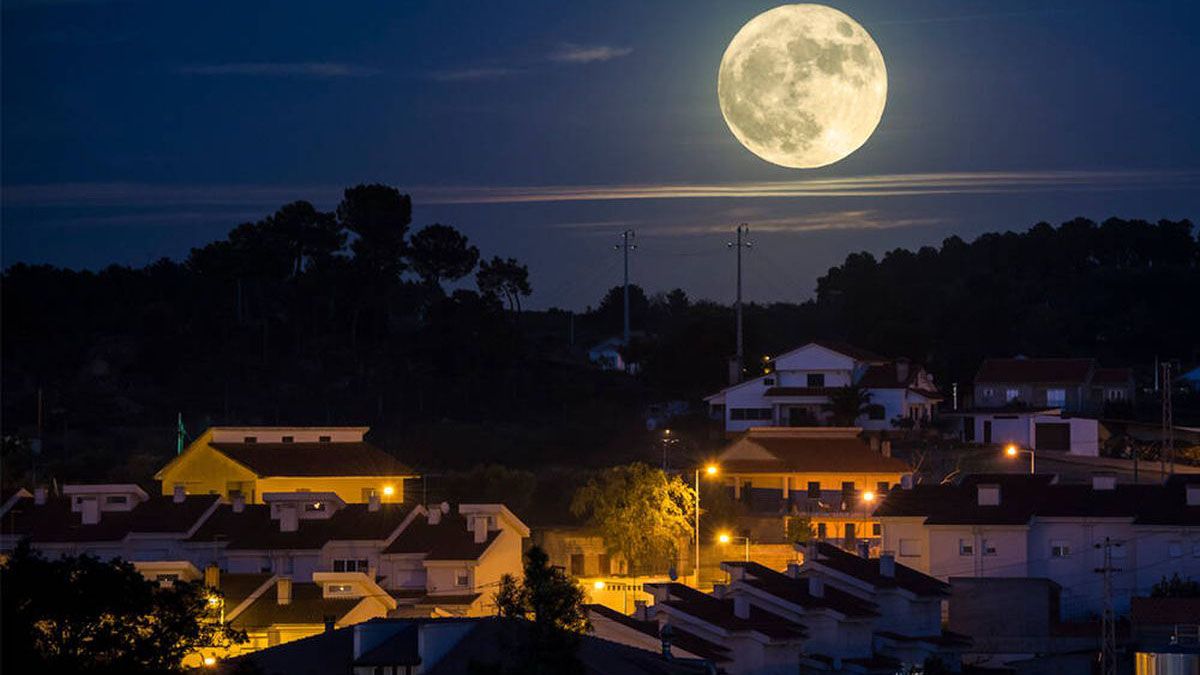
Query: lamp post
{"x": 710, "y": 470}
{"x": 725, "y": 538}
{"x": 1012, "y": 450}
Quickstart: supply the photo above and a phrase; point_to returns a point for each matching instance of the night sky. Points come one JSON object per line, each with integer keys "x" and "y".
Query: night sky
{"x": 136, "y": 130}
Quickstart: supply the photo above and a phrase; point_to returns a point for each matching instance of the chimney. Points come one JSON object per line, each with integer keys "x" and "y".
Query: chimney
{"x": 481, "y": 531}
{"x": 435, "y": 515}
{"x": 39, "y": 496}
{"x": 988, "y": 495}
{"x": 887, "y": 566}
{"x": 885, "y": 448}
{"x": 283, "y": 591}
{"x": 239, "y": 502}
{"x": 1104, "y": 481}
{"x": 816, "y": 587}
{"x": 719, "y": 590}
{"x": 330, "y": 621}
{"x": 90, "y": 511}
{"x": 179, "y": 494}
{"x": 289, "y": 518}
{"x": 639, "y": 610}
{"x": 741, "y": 607}
{"x": 902, "y": 371}
{"x": 212, "y": 576}
{"x": 373, "y": 502}
{"x": 1193, "y": 495}
{"x": 874, "y": 440}
{"x": 906, "y": 481}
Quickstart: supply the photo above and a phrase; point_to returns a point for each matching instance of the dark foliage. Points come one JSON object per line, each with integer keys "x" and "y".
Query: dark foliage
{"x": 553, "y": 604}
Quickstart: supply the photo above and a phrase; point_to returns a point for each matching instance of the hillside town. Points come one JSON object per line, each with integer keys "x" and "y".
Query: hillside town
{"x": 845, "y": 549}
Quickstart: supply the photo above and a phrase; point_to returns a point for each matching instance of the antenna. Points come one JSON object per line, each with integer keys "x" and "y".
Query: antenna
{"x": 743, "y": 230}
{"x": 627, "y": 244}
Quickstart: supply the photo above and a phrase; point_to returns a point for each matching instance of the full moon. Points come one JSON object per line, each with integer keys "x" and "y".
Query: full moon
{"x": 802, "y": 86}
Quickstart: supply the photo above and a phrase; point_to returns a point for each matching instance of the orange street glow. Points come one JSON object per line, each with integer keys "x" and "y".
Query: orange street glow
{"x": 1011, "y": 450}
{"x": 599, "y": 585}
{"x": 210, "y": 661}
{"x": 868, "y": 496}
{"x": 388, "y": 490}
{"x": 723, "y": 538}
{"x": 711, "y": 469}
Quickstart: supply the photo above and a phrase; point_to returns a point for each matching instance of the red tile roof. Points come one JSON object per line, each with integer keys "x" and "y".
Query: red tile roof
{"x": 55, "y": 522}
{"x": 798, "y": 591}
{"x": 253, "y": 529}
{"x": 314, "y": 459}
{"x": 448, "y": 540}
{"x": 800, "y": 454}
{"x": 867, "y": 569}
{"x": 719, "y": 612}
{"x": 1059, "y": 371}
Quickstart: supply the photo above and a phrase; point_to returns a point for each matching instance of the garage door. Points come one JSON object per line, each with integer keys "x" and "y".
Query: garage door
{"x": 1053, "y": 436}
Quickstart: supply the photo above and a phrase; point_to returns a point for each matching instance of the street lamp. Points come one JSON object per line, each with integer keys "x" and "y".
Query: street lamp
{"x": 709, "y": 470}
{"x": 1012, "y": 450}
{"x": 725, "y": 538}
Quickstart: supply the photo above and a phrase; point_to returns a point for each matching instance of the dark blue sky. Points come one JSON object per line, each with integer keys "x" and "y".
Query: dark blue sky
{"x": 134, "y": 130}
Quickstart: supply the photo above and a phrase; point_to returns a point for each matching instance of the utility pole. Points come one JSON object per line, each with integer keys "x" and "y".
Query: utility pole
{"x": 1108, "y": 627}
{"x": 743, "y": 231}
{"x": 1168, "y": 414}
{"x": 627, "y": 244}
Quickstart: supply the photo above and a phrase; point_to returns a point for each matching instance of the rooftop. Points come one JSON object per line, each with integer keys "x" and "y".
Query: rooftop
{"x": 55, "y": 522}
{"x": 254, "y": 528}
{"x": 867, "y": 569}
{"x": 803, "y": 452}
{"x": 1017, "y": 370}
{"x": 313, "y": 459}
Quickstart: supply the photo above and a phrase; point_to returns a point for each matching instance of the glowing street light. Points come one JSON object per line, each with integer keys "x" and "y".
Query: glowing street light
{"x": 726, "y": 538}
{"x": 210, "y": 661}
{"x": 1012, "y": 450}
{"x": 868, "y": 496}
{"x": 388, "y": 490}
{"x": 598, "y": 585}
{"x": 710, "y": 470}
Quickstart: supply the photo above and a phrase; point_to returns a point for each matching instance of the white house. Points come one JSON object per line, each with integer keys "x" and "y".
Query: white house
{"x": 796, "y": 390}
{"x": 1034, "y": 428}
{"x": 1021, "y": 525}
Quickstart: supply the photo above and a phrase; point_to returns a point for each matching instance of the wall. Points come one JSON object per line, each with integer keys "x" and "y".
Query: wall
{"x": 1010, "y": 559}
{"x": 348, "y": 488}
{"x": 203, "y": 470}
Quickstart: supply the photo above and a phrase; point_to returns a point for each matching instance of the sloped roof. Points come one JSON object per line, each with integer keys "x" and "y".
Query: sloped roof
{"x": 237, "y": 586}
{"x": 798, "y": 391}
{"x": 719, "y": 612}
{"x": 1057, "y": 371}
{"x": 867, "y": 569}
{"x": 448, "y": 540}
{"x": 307, "y": 607}
{"x": 805, "y": 454}
{"x": 799, "y": 591}
{"x": 253, "y": 529}
{"x": 55, "y": 522}
{"x": 313, "y": 459}
{"x": 680, "y": 638}
{"x": 856, "y": 353}
{"x": 1112, "y": 376}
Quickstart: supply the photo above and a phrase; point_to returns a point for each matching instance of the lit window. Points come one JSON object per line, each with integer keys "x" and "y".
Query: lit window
{"x": 910, "y": 548}
{"x": 1060, "y": 548}
{"x": 989, "y": 548}
{"x": 966, "y": 547}
{"x": 339, "y": 589}
{"x": 315, "y": 506}
{"x": 1011, "y": 395}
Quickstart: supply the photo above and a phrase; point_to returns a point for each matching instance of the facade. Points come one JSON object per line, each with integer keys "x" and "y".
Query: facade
{"x": 252, "y": 461}
{"x": 1035, "y": 428}
{"x": 797, "y": 388}
{"x": 835, "y": 613}
{"x": 1020, "y": 525}
{"x": 828, "y": 474}
{"x": 1070, "y": 385}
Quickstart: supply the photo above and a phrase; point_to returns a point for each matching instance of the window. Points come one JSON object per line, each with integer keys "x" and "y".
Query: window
{"x": 769, "y": 381}
{"x": 750, "y": 414}
{"x": 1011, "y": 395}
{"x": 461, "y": 579}
{"x": 966, "y": 547}
{"x": 816, "y": 379}
{"x": 354, "y": 565}
{"x": 324, "y": 439}
{"x": 876, "y": 530}
{"x": 338, "y": 589}
{"x": 1114, "y": 394}
{"x": 882, "y": 486}
{"x": 988, "y": 392}
{"x": 1056, "y": 397}
{"x": 314, "y": 507}
{"x": 848, "y": 487}
{"x": 989, "y": 547}
{"x": 250, "y": 439}
{"x": 814, "y": 489}
{"x": 367, "y": 493}
{"x": 1175, "y": 549}
{"x": 288, "y": 439}
{"x": 116, "y": 499}
{"x": 1060, "y": 548}
{"x": 910, "y": 548}
{"x": 822, "y": 531}
{"x": 605, "y": 563}
{"x": 577, "y": 564}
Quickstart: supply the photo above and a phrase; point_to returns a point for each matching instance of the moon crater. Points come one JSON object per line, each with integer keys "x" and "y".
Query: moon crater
{"x": 802, "y": 86}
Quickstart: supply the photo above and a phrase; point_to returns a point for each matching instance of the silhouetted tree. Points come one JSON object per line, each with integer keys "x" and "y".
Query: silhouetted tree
{"x": 379, "y": 215}
{"x": 847, "y": 404}
{"x": 504, "y": 278}
{"x": 439, "y": 252}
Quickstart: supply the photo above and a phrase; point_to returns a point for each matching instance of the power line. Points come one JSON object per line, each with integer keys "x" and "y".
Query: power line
{"x": 739, "y": 357}
{"x": 627, "y": 244}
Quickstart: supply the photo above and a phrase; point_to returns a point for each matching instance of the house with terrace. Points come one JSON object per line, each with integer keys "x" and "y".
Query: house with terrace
{"x": 797, "y": 389}
{"x": 252, "y": 461}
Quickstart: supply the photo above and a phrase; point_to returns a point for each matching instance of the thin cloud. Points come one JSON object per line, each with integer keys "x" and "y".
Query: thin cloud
{"x": 830, "y": 221}
{"x": 472, "y": 74}
{"x": 572, "y": 53}
{"x": 307, "y": 69}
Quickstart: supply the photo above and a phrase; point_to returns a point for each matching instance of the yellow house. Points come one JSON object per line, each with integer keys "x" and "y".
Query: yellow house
{"x": 251, "y": 461}
{"x": 828, "y": 474}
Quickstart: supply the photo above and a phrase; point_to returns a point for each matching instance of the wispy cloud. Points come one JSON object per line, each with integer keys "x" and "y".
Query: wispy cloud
{"x": 572, "y": 53}
{"x": 472, "y": 74}
{"x": 268, "y": 69}
{"x": 873, "y": 186}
